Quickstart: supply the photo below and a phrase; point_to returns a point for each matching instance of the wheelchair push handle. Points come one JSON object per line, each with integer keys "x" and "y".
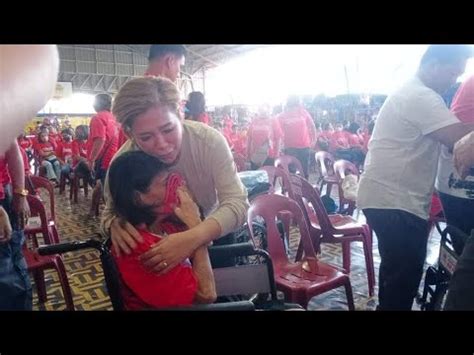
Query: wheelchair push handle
{"x": 70, "y": 246}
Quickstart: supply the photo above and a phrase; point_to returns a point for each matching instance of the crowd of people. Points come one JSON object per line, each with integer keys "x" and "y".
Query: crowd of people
{"x": 182, "y": 191}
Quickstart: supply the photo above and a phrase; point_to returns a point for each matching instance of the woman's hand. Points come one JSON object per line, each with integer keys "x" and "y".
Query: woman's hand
{"x": 464, "y": 155}
{"x": 124, "y": 236}
{"x": 5, "y": 226}
{"x": 187, "y": 211}
{"x": 169, "y": 252}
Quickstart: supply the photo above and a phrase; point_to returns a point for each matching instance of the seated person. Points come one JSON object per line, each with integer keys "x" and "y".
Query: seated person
{"x": 147, "y": 199}
{"x": 80, "y": 166}
{"x": 64, "y": 151}
{"x": 47, "y": 157}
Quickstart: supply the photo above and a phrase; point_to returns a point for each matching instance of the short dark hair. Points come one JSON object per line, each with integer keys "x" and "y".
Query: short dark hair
{"x": 125, "y": 186}
{"x": 159, "y": 50}
{"x": 103, "y": 102}
{"x": 446, "y": 54}
{"x": 196, "y": 105}
{"x": 353, "y": 127}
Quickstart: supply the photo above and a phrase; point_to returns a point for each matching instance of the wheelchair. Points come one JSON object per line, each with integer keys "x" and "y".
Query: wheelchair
{"x": 237, "y": 280}
{"x": 437, "y": 277}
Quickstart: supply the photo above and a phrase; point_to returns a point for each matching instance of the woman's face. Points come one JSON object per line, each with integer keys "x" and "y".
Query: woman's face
{"x": 159, "y": 132}
{"x": 155, "y": 196}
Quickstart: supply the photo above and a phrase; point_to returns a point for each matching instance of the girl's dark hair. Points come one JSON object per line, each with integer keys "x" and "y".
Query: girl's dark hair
{"x": 353, "y": 127}
{"x": 129, "y": 174}
{"x": 196, "y": 105}
{"x": 84, "y": 129}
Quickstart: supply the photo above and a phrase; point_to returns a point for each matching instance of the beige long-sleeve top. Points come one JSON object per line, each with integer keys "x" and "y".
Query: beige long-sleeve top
{"x": 207, "y": 164}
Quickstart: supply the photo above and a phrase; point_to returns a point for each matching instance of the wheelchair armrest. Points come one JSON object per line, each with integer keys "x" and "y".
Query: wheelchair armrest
{"x": 232, "y": 250}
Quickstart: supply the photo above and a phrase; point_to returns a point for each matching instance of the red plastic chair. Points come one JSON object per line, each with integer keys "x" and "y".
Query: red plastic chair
{"x": 75, "y": 185}
{"x": 37, "y": 264}
{"x": 303, "y": 279}
{"x": 325, "y": 162}
{"x": 277, "y": 175}
{"x": 342, "y": 168}
{"x": 332, "y": 229}
{"x": 42, "y": 183}
{"x": 284, "y": 162}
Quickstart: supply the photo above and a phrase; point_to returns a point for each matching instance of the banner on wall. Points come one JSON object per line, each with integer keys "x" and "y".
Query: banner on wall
{"x": 63, "y": 90}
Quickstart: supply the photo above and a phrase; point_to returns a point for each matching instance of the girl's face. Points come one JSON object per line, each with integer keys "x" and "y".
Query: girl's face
{"x": 155, "y": 196}
{"x": 44, "y": 138}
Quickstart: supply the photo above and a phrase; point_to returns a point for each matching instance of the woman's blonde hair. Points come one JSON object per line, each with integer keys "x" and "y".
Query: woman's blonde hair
{"x": 139, "y": 95}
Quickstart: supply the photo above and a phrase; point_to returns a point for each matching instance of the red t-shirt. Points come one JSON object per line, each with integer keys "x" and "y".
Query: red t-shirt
{"x": 262, "y": 131}
{"x": 79, "y": 148}
{"x": 26, "y": 163}
{"x": 296, "y": 125}
{"x": 204, "y": 118}
{"x": 122, "y": 138}
{"x": 45, "y": 147}
{"x": 25, "y": 143}
{"x": 104, "y": 125}
{"x": 339, "y": 140}
{"x": 64, "y": 151}
{"x": 145, "y": 289}
{"x": 355, "y": 140}
{"x": 55, "y": 140}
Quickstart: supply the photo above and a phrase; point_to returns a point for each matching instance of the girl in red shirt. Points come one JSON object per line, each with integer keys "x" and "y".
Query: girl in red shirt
{"x": 80, "y": 152}
{"x": 46, "y": 153}
{"x": 156, "y": 203}
{"x": 64, "y": 151}
{"x": 195, "y": 109}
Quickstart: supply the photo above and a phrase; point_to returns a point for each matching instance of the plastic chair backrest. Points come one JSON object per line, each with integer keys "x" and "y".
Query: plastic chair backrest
{"x": 285, "y": 161}
{"x": 269, "y": 207}
{"x": 278, "y": 174}
{"x": 40, "y": 182}
{"x": 309, "y": 200}
{"x": 325, "y": 162}
{"x": 343, "y": 167}
{"x": 37, "y": 209}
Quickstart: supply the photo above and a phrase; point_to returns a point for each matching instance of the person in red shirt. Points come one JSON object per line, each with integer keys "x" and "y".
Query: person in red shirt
{"x": 54, "y": 137}
{"x": 195, "y": 109}
{"x": 299, "y": 131}
{"x": 122, "y": 137}
{"x": 24, "y": 142}
{"x": 324, "y": 136}
{"x": 102, "y": 144}
{"x": 228, "y": 124}
{"x": 157, "y": 204}
{"x": 263, "y": 138}
{"x": 64, "y": 151}
{"x": 26, "y": 146}
{"x": 26, "y": 162}
{"x": 103, "y": 137}
{"x": 47, "y": 157}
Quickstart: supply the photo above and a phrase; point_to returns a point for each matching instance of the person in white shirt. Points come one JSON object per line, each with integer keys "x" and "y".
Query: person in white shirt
{"x": 400, "y": 169}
